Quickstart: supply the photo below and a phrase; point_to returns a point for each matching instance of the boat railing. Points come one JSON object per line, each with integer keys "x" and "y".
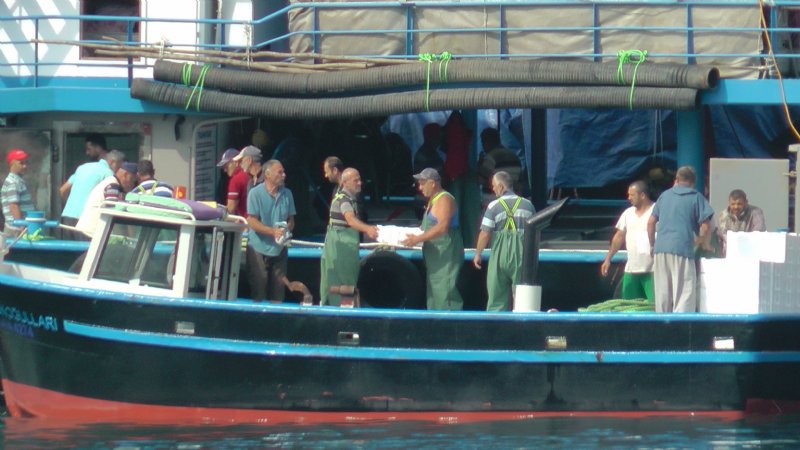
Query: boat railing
{"x": 35, "y": 49}
{"x": 137, "y": 208}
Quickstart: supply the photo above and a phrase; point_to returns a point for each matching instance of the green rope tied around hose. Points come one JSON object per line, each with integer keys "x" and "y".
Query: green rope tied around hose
{"x": 634, "y": 57}
{"x": 186, "y": 77}
{"x": 445, "y": 58}
{"x": 429, "y": 58}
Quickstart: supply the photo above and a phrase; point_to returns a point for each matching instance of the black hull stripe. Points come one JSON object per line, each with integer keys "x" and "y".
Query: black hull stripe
{"x": 293, "y": 309}
{"x": 198, "y": 343}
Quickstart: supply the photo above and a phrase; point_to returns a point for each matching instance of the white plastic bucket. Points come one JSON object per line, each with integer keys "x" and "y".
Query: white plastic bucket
{"x": 527, "y": 298}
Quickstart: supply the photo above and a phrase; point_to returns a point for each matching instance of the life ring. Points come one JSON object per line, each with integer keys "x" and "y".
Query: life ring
{"x": 387, "y": 280}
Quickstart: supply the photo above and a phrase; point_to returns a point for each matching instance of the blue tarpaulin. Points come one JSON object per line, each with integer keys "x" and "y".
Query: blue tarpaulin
{"x": 592, "y": 148}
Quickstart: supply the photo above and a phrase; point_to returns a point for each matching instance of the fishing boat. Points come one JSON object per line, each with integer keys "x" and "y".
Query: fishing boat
{"x": 152, "y": 327}
{"x": 155, "y": 325}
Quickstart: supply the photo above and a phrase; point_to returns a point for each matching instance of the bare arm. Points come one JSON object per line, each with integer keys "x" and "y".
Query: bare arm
{"x": 703, "y": 236}
{"x": 64, "y": 190}
{"x": 651, "y": 231}
{"x": 356, "y": 224}
{"x": 442, "y": 210}
{"x": 231, "y": 206}
{"x": 15, "y": 212}
{"x": 290, "y": 223}
{"x": 616, "y": 244}
{"x": 483, "y": 241}
{"x": 260, "y": 228}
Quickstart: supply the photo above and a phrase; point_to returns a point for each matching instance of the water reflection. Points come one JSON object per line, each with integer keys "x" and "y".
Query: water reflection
{"x": 560, "y": 432}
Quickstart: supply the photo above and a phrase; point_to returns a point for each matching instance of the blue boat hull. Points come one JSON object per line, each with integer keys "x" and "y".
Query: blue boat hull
{"x": 151, "y": 352}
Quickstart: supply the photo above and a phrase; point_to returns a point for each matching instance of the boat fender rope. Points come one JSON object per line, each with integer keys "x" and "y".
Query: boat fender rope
{"x": 634, "y": 57}
{"x": 186, "y": 75}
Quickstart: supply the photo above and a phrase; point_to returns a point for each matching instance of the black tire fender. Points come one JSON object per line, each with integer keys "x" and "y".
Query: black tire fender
{"x": 387, "y": 280}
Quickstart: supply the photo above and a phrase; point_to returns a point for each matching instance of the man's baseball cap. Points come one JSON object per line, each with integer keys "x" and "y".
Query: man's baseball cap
{"x": 227, "y": 157}
{"x": 129, "y": 167}
{"x": 251, "y": 151}
{"x": 16, "y": 154}
{"x": 428, "y": 173}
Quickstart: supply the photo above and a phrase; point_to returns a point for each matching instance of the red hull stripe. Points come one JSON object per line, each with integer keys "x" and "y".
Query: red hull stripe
{"x": 28, "y": 401}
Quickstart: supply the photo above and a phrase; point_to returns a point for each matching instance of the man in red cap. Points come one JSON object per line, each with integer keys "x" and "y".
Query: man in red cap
{"x": 15, "y": 196}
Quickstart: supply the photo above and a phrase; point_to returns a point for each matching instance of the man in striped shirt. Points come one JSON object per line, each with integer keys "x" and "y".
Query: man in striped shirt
{"x": 16, "y": 199}
{"x": 148, "y": 185}
{"x": 505, "y": 221}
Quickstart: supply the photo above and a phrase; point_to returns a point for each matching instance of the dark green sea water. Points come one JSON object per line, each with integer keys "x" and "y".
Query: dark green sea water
{"x": 773, "y": 432}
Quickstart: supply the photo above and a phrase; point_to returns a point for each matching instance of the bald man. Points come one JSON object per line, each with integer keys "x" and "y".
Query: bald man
{"x": 339, "y": 263}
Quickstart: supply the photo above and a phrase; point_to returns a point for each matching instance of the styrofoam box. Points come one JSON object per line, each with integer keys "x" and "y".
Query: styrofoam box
{"x": 760, "y": 275}
{"x": 729, "y": 286}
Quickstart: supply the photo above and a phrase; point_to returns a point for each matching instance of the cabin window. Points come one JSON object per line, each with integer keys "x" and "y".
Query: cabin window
{"x": 211, "y": 258}
{"x": 201, "y": 260}
{"x": 231, "y": 245}
{"x": 139, "y": 253}
{"x": 99, "y": 31}
{"x": 160, "y": 268}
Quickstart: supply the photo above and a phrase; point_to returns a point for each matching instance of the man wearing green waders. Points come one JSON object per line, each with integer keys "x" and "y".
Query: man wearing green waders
{"x": 339, "y": 263}
{"x": 505, "y": 220}
{"x": 442, "y": 245}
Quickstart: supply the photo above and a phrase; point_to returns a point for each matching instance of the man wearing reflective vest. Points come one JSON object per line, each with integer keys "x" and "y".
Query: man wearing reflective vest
{"x": 339, "y": 263}
{"x": 504, "y": 220}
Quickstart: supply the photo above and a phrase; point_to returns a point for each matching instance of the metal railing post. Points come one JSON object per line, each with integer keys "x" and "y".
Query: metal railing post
{"x": 773, "y": 23}
{"x": 595, "y": 33}
{"x": 409, "y": 30}
{"x": 690, "y": 59}
{"x": 316, "y": 30}
{"x": 130, "y": 58}
{"x": 503, "y": 34}
{"x": 36, "y": 53}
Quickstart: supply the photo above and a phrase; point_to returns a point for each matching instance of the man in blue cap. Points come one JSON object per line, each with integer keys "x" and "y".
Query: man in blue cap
{"x": 228, "y": 168}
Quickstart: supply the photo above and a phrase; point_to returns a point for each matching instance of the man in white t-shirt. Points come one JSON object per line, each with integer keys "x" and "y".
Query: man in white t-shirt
{"x": 637, "y": 282}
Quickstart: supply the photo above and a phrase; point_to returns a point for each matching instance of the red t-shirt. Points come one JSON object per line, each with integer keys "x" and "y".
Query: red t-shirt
{"x": 237, "y": 190}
